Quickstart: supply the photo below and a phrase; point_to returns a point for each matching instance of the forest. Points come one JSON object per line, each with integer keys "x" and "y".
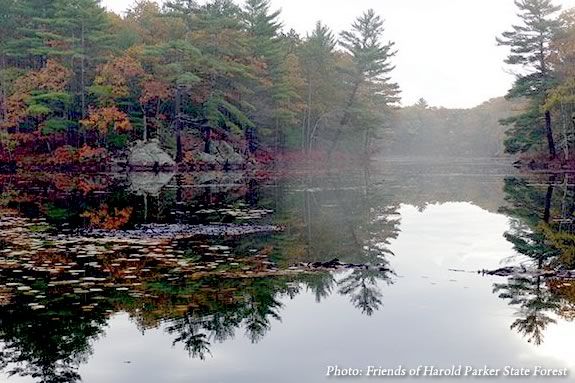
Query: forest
{"x": 218, "y": 84}
{"x": 79, "y": 85}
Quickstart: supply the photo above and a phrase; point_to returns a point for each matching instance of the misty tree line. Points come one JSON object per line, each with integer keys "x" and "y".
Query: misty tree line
{"x": 539, "y": 117}
{"x": 421, "y": 130}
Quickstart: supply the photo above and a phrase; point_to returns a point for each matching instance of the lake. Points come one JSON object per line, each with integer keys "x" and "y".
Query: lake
{"x": 203, "y": 277}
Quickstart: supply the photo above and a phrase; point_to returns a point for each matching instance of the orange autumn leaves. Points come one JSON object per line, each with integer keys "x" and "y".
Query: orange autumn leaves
{"x": 53, "y": 77}
{"x": 154, "y": 91}
{"x": 124, "y": 77}
{"x": 120, "y": 78}
{"x": 104, "y": 120}
{"x": 86, "y": 155}
{"x": 118, "y": 74}
{"x": 107, "y": 219}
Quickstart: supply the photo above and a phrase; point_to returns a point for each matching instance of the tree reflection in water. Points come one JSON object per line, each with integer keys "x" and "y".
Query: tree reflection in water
{"x": 48, "y": 347}
{"x": 363, "y": 288}
{"x": 535, "y": 303}
{"x": 539, "y": 216}
{"x": 70, "y": 289}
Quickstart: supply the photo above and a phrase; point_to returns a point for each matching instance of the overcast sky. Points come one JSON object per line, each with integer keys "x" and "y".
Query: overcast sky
{"x": 446, "y": 48}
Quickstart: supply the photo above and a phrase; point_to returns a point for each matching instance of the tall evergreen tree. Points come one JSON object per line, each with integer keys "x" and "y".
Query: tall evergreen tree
{"x": 8, "y": 26}
{"x": 371, "y": 65}
{"x": 28, "y": 45}
{"x": 263, "y": 27}
{"x": 80, "y": 32}
{"x": 530, "y": 44}
{"x": 319, "y": 68}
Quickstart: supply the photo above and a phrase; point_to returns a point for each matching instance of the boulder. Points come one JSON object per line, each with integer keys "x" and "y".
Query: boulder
{"x": 149, "y": 155}
{"x": 221, "y": 153}
{"x": 146, "y": 183}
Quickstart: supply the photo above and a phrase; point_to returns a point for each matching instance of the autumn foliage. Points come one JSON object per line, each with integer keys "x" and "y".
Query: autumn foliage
{"x": 74, "y": 76}
{"x": 86, "y": 155}
{"x": 107, "y": 219}
{"x": 106, "y": 120}
{"x": 53, "y": 77}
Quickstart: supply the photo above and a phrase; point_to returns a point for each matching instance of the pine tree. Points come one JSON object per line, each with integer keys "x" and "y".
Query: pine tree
{"x": 27, "y": 45}
{"x": 80, "y": 29}
{"x": 371, "y": 65}
{"x": 273, "y": 93}
{"x": 8, "y": 26}
{"x": 319, "y": 68}
{"x": 263, "y": 25}
{"x": 530, "y": 44}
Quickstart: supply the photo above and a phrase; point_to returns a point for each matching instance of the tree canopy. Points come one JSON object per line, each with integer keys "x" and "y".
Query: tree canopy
{"x": 73, "y": 75}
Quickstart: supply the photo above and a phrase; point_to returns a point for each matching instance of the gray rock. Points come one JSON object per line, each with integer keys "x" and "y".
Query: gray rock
{"x": 146, "y": 183}
{"x": 147, "y": 155}
{"x": 221, "y": 153}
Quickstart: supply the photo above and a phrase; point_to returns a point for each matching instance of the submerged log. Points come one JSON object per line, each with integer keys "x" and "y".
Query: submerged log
{"x": 336, "y": 264}
{"x": 512, "y": 271}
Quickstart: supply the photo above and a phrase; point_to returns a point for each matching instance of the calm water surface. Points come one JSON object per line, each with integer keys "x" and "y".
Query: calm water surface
{"x": 81, "y": 300}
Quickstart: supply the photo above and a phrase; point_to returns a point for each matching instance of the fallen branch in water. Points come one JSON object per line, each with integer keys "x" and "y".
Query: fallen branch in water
{"x": 335, "y": 264}
{"x": 512, "y": 271}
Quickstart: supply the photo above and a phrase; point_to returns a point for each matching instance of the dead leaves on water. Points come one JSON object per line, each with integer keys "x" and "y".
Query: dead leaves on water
{"x": 39, "y": 263}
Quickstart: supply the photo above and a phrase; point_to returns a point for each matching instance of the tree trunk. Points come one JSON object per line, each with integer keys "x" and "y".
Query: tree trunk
{"x": 2, "y": 104}
{"x": 565, "y": 141}
{"x": 548, "y": 200}
{"x": 179, "y": 150}
{"x": 345, "y": 118}
{"x": 83, "y": 74}
{"x": 2, "y": 94}
{"x": 207, "y": 139}
{"x": 549, "y": 132}
{"x": 145, "y": 208}
{"x": 144, "y": 122}
{"x": 366, "y": 144}
{"x": 307, "y": 124}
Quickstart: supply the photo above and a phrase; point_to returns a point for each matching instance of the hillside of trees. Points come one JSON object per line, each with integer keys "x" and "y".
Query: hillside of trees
{"x": 80, "y": 84}
{"x": 423, "y": 131}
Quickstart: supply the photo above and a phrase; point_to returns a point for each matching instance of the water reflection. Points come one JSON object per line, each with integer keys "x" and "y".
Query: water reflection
{"x": 363, "y": 288}
{"x": 535, "y": 305}
{"x": 67, "y": 266}
{"x": 197, "y": 257}
{"x": 542, "y": 232}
